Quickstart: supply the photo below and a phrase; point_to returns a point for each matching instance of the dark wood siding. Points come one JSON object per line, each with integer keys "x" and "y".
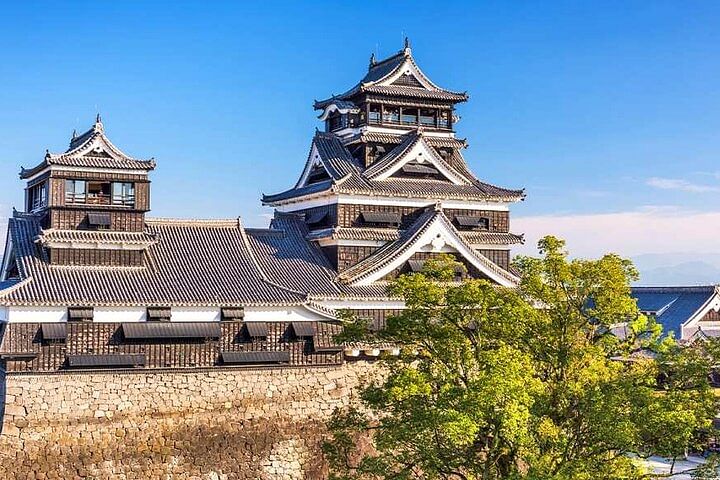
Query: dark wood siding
{"x": 350, "y": 215}
{"x": 499, "y": 257}
{"x": 331, "y": 211}
{"x": 57, "y": 192}
{"x": 142, "y": 196}
{"x": 100, "y": 176}
{"x": 76, "y": 219}
{"x": 76, "y": 256}
{"x": 348, "y": 256}
{"x": 377, "y": 317}
{"x": 107, "y": 338}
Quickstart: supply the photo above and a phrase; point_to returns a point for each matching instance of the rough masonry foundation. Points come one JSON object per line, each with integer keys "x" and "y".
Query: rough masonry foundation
{"x": 211, "y": 424}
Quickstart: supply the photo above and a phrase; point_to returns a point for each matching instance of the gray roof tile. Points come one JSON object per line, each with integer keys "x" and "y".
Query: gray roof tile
{"x": 192, "y": 263}
{"x": 383, "y": 69}
{"x": 348, "y": 177}
{"x": 92, "y": 149}
{"x": 673, "y": 306}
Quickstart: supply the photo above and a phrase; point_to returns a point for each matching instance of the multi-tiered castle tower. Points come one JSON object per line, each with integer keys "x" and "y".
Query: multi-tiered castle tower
{"x": 386, "y": 186}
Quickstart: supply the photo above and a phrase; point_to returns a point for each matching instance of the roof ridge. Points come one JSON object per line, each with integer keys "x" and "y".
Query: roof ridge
{"x": 394, "y": 56}
{"x": 677, "y": 288}
{"x": 256, "y": 264}
{"x": 190, "y": 222}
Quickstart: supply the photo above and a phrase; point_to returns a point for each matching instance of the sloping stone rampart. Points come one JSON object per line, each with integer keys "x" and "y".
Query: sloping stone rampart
{"x": 212, "y": 424}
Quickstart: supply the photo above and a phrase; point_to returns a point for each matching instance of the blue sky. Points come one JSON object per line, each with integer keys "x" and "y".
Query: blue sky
{"x": 607, "y": 112}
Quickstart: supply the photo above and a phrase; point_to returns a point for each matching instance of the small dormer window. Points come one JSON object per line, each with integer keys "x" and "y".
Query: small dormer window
{"x": 381, "y": 219}
{"x": 444, "y": 119}
{"x": 123, "y": 193}
{"x": 470, "y": 222}
{"x": 37, "y": 197}
{"x": 391, "y": 114}
{"x": 75, "y": 191}
{"x": 375, "y": 114}
{"x": 98, "y": 193}
{"x": 317, "y": 174}
{"x": 337, "y": 121}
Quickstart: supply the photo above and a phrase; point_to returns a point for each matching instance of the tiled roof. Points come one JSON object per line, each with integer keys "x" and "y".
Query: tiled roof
{"x": 289, "y": 259}
{"x": 430, "y": 189}
{"x": 403, "y": 91}
{"x": 492, "y": 238}
{"x": 392, "y": 234}
{"x": 92, "y": 149}
{"x": 407, "y": 241}
{"x": 297, "y": 192}
{"x": 347, "y": 177}
{"x": 95, "y": 236}
{"x": 398, "y": 153}
{"x": 334, "y": 156}
{"x": 352, "y": 233}
{"x": 192, "y": 263}
{"x": 380, "y": 71}
{"x": 673, "y": 306}
{"x": 433, "y": 141}
{"x": 375, "y": 291}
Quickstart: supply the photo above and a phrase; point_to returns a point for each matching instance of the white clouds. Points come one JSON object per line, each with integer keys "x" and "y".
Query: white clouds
{"x": 648, "y": 230}
{"x": 681, "y": 185}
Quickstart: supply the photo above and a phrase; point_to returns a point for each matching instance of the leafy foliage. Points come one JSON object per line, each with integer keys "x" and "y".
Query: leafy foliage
{"x": 525, "y": 383}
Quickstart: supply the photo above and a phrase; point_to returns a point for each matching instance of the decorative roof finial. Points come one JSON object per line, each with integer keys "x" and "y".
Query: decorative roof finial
{"x": 98, "y": 124}
{"x": 74, "y": 135}
{"x": 372, "y": 60}
{"x": 407, "y": 45}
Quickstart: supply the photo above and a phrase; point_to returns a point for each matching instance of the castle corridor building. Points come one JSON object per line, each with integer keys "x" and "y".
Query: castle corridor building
{"x": 90, "y": 282}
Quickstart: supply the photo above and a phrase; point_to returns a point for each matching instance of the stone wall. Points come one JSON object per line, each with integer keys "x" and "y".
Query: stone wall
{"x": 211, "y": 424}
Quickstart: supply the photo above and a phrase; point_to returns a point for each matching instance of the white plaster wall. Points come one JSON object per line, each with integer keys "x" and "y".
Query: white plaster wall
{"x": 195, "y": 314}
{"x": 362, "y": 305}
{"x": 288, "y": 314}
{"x": 127, "y": 314}
{"x": 36, "y": 314}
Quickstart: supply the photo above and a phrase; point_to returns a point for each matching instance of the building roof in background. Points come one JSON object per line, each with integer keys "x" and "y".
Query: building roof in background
{"x": 674, "y": 307}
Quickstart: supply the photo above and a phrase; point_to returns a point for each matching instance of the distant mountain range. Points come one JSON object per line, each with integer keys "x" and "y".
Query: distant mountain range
{"x": 678, "y": 268}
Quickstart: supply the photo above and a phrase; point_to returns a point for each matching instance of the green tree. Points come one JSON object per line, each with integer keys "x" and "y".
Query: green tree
{"x": 527, "y": 382}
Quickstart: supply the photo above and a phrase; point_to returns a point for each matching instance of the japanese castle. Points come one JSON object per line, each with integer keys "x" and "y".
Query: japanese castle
{"x": 89, "y": 281}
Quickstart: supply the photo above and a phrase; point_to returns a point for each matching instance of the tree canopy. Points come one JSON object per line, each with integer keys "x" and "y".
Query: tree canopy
{"x": 559, "y": 378}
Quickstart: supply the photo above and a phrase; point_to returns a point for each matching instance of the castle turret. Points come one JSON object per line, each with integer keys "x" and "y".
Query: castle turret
{"x": 92, "y": 201}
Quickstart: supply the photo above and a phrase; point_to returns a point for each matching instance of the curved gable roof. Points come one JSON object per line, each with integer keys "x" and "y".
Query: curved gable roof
{"x": 92, "y": 149}
{"x": 382, "y": 74}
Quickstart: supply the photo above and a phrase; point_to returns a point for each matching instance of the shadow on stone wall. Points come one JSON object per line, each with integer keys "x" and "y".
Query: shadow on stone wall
{"x": 197, "y": 445}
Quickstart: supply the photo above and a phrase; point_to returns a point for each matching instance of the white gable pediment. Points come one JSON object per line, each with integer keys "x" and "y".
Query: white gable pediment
{"x": 313, "y": 163}
{"x": 440, "y": 237}
{"x": 422, "y": 154}
{"x": 713, "y": 304}
{"x": 407, "y": 68}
